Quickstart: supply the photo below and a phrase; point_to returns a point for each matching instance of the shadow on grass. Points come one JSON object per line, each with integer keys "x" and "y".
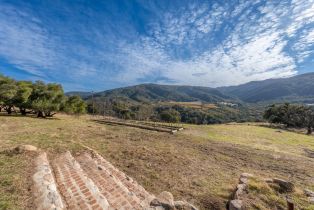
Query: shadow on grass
{"x": 281, "y": 127}
{"x": 34, "y": 116}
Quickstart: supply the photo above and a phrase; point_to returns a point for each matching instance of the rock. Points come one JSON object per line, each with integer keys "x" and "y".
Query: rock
{"x": 164, "y": 199}
{"x": 235, "y": 205}
{"x": 46, "y": 195}
{"x": 183, "y": 205}
{"x": 157, "y": 208}
{"x": 284, "y": 185}
{"x": 240, "y": 191}
{"x": 268, "y": 180}
{"x": 23, "y": 148}
{"x": 241, "y": 187}
{"x": 246, "y": 175}
{"x": 243, "y": 180}
{"x": 308, "y": 193}
{"x": 311, "y": 200}
{"x": 155, "y": 202}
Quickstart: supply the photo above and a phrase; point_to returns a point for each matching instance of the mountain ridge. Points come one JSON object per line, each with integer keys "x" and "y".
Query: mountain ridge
{"x": 299, "y": 88}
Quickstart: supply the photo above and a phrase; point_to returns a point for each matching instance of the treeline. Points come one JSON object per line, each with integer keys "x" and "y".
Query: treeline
{"x": 291, "y": 115}
{"x": 169, "y": 113}
{"x": 38, "y": 98}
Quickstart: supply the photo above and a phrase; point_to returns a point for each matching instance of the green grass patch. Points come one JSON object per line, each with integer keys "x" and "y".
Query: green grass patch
{"x": 259, "y": 137}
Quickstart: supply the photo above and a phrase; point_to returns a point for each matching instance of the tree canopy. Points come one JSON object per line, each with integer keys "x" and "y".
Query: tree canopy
{"x": 38, "y": 97}
{"x": 291, "y": 115}
{"x": 74, "y": 105}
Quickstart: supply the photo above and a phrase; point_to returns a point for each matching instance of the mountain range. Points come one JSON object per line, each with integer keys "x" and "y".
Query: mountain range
{"x": 298, "y": 89}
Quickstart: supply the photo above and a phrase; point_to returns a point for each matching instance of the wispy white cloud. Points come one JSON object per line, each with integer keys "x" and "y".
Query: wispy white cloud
{"x": 23, "y": 42}
{"x": 209, "y": 44}
{"x": 304, "y": 45}
{"x": 27, "y": 43}
{"x": 302, "y": 13}
{"x": 253, "y": 50}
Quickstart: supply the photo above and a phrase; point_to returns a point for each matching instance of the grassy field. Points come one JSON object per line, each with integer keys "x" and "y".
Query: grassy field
{"x": 192, "y": 104}
{"x": 202, "y": 164}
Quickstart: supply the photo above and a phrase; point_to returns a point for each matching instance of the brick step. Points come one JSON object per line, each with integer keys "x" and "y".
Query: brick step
{"x": 131, "y": 184}
{"x": 120, "y": 190}
{"x": 76, "y": 188}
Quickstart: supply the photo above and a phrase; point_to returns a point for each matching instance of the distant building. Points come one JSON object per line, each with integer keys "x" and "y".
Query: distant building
{"x": 227, "y": 104}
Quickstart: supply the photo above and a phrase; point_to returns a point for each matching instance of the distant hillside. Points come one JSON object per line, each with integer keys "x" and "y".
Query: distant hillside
{"x": 83, "y": 95}
{"x": 299, "y": 88}
{"x": 154, "y": 92}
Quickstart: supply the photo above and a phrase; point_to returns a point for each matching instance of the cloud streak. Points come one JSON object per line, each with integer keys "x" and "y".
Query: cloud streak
{"x": 254, "y": 44}
{"x": 204, "y": 43}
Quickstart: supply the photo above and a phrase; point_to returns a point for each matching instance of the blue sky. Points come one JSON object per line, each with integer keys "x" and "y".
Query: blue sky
{"x": 97, "y": 45}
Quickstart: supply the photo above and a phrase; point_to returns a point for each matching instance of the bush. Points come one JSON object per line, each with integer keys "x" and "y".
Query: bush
{"x": 170, "y": 115}
{"x": 74, "y": 105}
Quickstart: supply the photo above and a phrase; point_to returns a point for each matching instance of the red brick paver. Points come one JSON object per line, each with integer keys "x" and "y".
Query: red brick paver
{"x": 127, "y": 181}
{"x": 90, "y": 182}
{"x": 120, "y": 191}
{"x": 78, "y": 191}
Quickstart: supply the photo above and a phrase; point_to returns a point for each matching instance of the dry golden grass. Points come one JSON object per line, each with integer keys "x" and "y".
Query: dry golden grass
{"x": 201, "y": 164}
{"x": 192, "y": 104}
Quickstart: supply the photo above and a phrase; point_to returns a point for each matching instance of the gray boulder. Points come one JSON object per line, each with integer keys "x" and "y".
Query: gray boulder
{"x": 308, "y": 193}
{"x": 165, "y": 200}
{"x": 235, "y": 205}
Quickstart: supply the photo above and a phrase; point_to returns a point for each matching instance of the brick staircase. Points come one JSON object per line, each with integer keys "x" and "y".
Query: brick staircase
{"x": 88, "y": 181}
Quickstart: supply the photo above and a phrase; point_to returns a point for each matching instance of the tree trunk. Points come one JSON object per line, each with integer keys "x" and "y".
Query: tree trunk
{"x": 40, "y": 114}
{"x": 49, "y": 114}
{"x": 23, "y": 111}
{"x": 309, "y": 130}
{"x": 9, "y": 109}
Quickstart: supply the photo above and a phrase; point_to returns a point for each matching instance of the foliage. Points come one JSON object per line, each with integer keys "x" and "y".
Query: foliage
{"x": 24, "y": 90}
{"x": 46, "y": 99}
{"x": 291, "y": 115}
{"x": 74, "y": 105}
{"x": 40, "y": 98}
{"x": 170, "y": 115}
{"x": 8, "y": 90}
{"x": 126, "y": 109}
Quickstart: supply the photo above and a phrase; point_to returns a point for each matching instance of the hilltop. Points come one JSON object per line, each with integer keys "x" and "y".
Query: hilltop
{"x": 155, "y": 92}
{"x": 298, "y": 88}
